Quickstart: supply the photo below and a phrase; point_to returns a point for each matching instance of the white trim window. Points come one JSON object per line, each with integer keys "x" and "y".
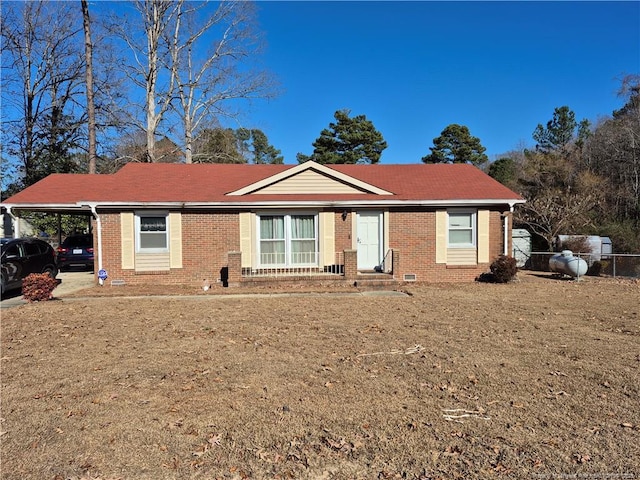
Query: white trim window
{"x": 461, "y": 229}
{"x": 286, "y": 240}
{"x": 152, "y": 232}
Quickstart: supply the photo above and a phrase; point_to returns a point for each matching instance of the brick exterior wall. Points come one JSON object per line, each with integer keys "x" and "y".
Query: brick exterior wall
{"x": 413, "y": 235}
{"x": 209, "y": 236}
{"x": 343, "y": 230}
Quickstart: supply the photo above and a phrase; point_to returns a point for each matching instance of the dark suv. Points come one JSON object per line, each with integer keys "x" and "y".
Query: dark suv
{"x": 76, "y": 251}
{"x": 23, "y": 256}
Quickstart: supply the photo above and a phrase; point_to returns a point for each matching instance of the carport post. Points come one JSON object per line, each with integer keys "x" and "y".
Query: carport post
{"x": 15, "y": 221}
{"x": 99, "y": 228}
{"x": 59, "y": 228}
{"x": 506, "y": 230}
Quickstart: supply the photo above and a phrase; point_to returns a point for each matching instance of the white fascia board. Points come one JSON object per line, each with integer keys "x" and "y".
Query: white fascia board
{"x": 141, "y": 205}
{"x": 49, "y": 206}
{"x": 313, "y": 203}
{"x": 354, "y": 204}
{"x": 87, "y": 206}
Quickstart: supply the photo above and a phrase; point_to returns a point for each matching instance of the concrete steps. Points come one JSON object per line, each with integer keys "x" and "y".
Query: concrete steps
{"x": 375, "y": 281}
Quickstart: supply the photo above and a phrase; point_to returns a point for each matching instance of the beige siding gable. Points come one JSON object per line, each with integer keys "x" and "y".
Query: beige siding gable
{"x": 308, "y": 181}
{"x": 127, "y": 240}
{"x": 302, "y": 177}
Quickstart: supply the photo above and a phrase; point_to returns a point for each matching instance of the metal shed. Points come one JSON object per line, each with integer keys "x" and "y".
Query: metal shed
{"x": 521, "y": 240}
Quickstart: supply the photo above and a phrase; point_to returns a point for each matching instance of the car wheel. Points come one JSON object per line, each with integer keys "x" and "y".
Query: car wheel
{"x": 2, "y": 285}
{"x": 51, "y": 271}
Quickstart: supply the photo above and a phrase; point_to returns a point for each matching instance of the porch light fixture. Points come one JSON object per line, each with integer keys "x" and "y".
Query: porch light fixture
{"x": 344, "y": 215}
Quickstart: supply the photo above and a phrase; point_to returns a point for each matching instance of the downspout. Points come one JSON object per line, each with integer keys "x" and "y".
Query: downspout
{"x": 15, "y": 222}
{"x": 506, "y": 231}
{"x": 99, "y": 229}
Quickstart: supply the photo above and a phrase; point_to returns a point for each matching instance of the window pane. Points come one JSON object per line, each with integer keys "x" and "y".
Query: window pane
{"x": 153, "y": 240}
{"x": 460, "y": 220}
{"x": 153, "y": 233}
{"x": 303, "y": 226}
{"x": 460, "y": 237}
{"x": 272, "y": 252}
{"x": 288, "y": 240}
{"x": 272, "y": 228}
{"x": 303, "y": 252}
{"x": 269, "y": 247}
{"x": 153, "y": 224}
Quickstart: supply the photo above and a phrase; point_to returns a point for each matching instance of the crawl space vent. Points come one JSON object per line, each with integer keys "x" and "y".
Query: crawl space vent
{"x": 409, "y": 277}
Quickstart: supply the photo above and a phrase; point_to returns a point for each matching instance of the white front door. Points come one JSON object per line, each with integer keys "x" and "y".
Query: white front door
{"x": 369, "y": 240}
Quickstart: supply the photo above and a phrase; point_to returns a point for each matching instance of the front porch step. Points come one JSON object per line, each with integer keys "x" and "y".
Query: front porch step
{"x": 375, "y": 281}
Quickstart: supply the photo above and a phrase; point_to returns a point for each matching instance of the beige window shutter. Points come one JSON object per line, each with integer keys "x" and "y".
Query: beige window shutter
{"x": 127, "y": 240}
{"x": 175, "y": 240}
{"x": 483, "y": 236}
{"x": 327, "y": 238}
{"x": 247, "y": 221}
{"x": 441, "y": 236}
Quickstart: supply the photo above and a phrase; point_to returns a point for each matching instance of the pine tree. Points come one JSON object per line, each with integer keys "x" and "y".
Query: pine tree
{"x": 348, "y": 140}
{"x": 456, "y": 145}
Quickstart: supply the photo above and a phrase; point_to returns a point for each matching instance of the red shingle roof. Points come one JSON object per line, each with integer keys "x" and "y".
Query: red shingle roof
{"x": 209, "y": 183}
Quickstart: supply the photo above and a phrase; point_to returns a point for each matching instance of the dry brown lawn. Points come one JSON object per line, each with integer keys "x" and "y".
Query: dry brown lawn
{"x": 535, "y": 379}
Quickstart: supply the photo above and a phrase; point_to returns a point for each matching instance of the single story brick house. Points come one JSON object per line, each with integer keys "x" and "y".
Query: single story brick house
{"x": 241, "y": 224}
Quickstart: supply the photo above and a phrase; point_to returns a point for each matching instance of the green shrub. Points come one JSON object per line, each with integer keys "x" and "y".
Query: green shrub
{"x": 504, "y": 269}
{"x": 38, "y": 287}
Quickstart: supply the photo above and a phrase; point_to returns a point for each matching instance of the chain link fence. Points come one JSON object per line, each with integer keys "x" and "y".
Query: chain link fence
{"x": 611, "y": 264}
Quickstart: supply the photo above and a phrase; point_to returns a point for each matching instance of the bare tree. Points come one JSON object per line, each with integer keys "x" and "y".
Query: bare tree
{"x": 554, "y": 211}
{"x": 43, "y": 87}
{"x": 209, "y": 74}
{"x": 613, "y": 151}
{"x": 145, "y": 42}
{"x": 157, "y": 15}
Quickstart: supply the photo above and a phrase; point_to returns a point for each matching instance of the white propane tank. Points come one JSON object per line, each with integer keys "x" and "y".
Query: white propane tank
{"x": 567, "y": 264}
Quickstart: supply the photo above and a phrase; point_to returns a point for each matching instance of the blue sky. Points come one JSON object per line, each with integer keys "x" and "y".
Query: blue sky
{"x": 413, "y": 68}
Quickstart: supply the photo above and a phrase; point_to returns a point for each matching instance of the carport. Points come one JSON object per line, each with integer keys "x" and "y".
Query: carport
{"x": 14, "y": 211}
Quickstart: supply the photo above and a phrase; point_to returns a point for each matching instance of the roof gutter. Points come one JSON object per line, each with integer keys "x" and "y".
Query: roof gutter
{"x": 47, "y": 206}
{"x": 271, "y": 203}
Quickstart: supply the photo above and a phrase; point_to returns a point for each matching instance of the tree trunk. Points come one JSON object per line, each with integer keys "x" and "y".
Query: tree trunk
{"x": 188, "y": 141}
{"x": 91, "y": 111}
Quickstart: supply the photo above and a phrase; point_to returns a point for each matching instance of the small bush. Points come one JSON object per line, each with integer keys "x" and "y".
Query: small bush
{"x": 504, "y": 269}
{"x": 486, "y": 278}
{"x": 38, "y": 287}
